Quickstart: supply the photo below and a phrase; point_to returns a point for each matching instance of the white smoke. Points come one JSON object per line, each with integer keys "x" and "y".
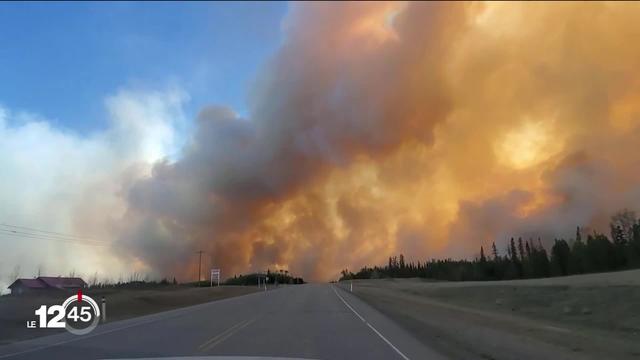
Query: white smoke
{"x": 57, "y": 180}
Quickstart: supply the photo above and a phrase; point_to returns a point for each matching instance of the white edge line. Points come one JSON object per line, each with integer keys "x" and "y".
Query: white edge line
{"x": 370, "y": 326}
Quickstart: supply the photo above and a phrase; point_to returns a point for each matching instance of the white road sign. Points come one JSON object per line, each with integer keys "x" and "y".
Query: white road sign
{"x": 215, "y": 273}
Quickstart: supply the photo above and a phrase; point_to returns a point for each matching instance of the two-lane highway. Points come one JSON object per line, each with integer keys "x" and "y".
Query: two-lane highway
{"x": 313, "y": 321}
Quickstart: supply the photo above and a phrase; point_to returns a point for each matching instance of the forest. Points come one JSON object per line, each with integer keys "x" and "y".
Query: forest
{"x": 524, "y": 259}
{"x": 270, "y": 277}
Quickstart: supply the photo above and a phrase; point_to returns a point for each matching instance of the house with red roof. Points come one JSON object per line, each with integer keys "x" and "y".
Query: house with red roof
{"x": 44, "y": 283}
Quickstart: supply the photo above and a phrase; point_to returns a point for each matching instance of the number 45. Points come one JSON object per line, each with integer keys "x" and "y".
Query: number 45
{"x": 85, "y": 314}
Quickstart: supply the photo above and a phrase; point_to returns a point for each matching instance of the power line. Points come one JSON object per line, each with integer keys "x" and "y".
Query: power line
{"x": 49, "y": 239}
{"x": 38, "y": 234}
{"x": 52, "y": 233}
{"x": 199, "y": 266}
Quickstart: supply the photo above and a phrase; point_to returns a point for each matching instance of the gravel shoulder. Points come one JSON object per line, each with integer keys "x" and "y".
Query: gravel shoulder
{"x": 593, "y": 316}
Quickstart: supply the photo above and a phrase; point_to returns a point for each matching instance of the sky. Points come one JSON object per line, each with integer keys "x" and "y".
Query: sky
{"x": 60, "y": 60}
{"x": 70, "y": 71}
{"x": 311, "y": 137}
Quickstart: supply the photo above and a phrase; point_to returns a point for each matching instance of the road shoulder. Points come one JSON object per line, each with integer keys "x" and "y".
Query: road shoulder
{"x": 461, "y": 332}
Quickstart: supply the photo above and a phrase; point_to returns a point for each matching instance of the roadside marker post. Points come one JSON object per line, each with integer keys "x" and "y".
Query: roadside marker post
{"x": 104, "y": 310}
{"x": 351, "y": 286}
{"x": 262, "y": 281}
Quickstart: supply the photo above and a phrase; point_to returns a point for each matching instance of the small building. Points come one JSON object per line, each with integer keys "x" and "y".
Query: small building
{"x": 25, "y": 286}
{"x": 46, "y": 283}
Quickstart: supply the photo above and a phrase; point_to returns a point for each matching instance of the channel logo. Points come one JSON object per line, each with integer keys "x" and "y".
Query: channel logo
{"x": 79, "y": 314}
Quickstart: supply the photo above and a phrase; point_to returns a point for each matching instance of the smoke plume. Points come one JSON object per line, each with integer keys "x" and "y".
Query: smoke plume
{"x": 424, "y": 128}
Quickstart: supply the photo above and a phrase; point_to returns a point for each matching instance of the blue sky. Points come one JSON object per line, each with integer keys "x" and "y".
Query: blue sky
{"x": 60, "y": 60}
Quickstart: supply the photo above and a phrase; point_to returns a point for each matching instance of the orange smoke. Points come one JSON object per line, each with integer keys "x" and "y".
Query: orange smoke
{"x": 427, "y": 129}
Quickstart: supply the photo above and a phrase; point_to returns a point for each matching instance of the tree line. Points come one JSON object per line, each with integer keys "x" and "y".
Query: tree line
{"x": 524, "y": 259}
{"x": 271, "y": 277}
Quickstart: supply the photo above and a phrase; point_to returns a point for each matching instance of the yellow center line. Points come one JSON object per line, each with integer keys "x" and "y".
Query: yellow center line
{"x": 209, "y": 344}
{"x": 222, "y": 334}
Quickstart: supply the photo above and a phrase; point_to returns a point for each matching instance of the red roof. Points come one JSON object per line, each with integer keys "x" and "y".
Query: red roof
{"x": 62, "y": 282}
{"x": 43, "y": 282}
{"x": 29, "y": 283}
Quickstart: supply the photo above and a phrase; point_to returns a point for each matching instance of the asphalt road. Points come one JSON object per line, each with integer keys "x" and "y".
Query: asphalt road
{"x": 313, "y": 321}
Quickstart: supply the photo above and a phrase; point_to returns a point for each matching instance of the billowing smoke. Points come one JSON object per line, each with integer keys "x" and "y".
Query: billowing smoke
{"x": 426, "y": 128}
{"x": 60, "y": 181}
{"x": 344, "y": 89}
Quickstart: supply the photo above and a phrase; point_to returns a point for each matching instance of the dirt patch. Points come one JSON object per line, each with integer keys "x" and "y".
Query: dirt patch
{"x": 121, "y": 304}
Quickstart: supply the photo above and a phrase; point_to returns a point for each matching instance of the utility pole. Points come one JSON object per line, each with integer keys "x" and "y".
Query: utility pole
{"x": 199, "y": 266}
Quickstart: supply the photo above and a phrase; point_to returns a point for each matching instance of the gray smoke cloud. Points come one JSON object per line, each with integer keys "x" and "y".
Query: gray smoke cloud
{"x": 424, "y": 128}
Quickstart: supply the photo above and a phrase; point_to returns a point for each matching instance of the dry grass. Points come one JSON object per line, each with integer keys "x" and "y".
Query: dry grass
{"x": 594, "y": 315}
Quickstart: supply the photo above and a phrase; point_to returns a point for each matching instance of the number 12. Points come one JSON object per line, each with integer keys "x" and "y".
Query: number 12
{"x": 56, "y": 321}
